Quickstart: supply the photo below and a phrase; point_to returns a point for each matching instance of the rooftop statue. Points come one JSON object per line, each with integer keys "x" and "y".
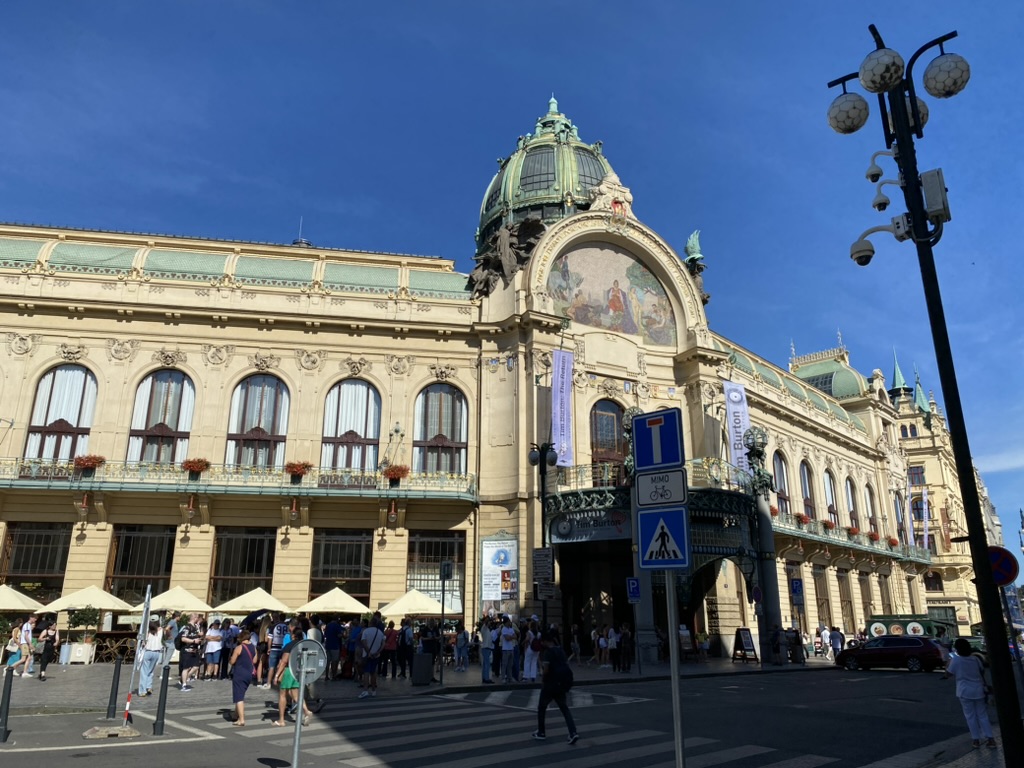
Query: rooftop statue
{"x": 611, "y": 195}
{"x": 508, "y": 250}
{"x": 694, "y": 262}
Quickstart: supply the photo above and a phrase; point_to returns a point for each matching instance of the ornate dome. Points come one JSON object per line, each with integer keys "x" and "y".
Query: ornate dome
{"x": 549, "y": 176}
{"x": 830, "y": 371}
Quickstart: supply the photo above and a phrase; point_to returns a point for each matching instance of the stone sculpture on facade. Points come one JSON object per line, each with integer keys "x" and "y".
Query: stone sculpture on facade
{"x": 508, "y": 250}
{"x": 694, "y": 262}
{"x": 611, "y": 195}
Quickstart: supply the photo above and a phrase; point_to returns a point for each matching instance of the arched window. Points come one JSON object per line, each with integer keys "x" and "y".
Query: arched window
{"x": 807, "y": 489}
{"x": 903, "y": 431}
{"x": 62, "y": 414}
{"x": 440, "y": 439}
{"x": 917, "y": 508}
{"x": 781, "y": 482}
{"x": 851, "y": 504}
{"x": 869, "y": 508}
{"x": 933, "y": 582}
{"x": 913, "y": 430}
{"x": 830, "y": 497}
{"x": 351, "y": 426}
{"x": 258, "y": 422}
{"x": 607, "y": 438}
{"x": 901, "y": 530}
{"x": 162, "y": 418}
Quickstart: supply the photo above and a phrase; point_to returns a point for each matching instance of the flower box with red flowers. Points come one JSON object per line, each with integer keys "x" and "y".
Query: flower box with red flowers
{"x": 803, "y": 519}
{"x": 829, "y": 525}
{"x": 89, "y": 461}
{"x": 297, "y": 468}
{"x": 853, "y": 530}
{"x": 873, "y": 536}
{"x": 195, "y": 465}
{"x": 396, "y": 471}
{"x": 774, "y": 510}
{"x": 893, "y": 541}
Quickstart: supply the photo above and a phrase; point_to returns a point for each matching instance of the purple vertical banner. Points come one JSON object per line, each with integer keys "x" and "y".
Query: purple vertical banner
{"x": 561, "y": 407}
{"x": 908, "y": 514}
{"x": 927, "y": 515}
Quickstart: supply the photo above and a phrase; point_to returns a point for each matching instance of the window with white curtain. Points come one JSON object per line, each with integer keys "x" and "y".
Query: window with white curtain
{"x": 807, "y": 489}
{"x": 351, "y": 426}
{"x": 441, "y": 430}
{"x": 258, "y": 423}
{"x": 901, "y": 531}
{"x": 62, "y": 414}
{"x": 162, "y": 419}
{"x": 869, "y": 508}
{"x": 830, "y": 497}
{"x": 781, "y": 482}
{"x": 851, "y": 503}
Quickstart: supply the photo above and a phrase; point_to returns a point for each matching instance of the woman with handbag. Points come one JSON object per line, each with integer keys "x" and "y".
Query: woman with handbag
{"x": 972, "y": 689}
{"x": 12, "y": 651}
{"x": 49, "y": 639}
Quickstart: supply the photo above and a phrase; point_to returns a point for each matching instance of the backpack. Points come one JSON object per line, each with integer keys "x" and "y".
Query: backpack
{"x": 535, "y": 645}
{"x": 177, "y": 641}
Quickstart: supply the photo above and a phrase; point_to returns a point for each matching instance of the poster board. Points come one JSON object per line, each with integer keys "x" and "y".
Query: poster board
{"x": 743, "y": 649}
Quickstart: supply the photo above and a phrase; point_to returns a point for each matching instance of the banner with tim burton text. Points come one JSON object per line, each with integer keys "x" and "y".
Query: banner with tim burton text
{"x": 737, "y": 421}
{"x": 561, "y": 407}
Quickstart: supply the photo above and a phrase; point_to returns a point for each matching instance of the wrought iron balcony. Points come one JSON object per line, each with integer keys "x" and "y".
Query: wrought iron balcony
{"x": 231, "y": 479}
{"x": 700, "y": 473}
{"x": 818, "y": 530}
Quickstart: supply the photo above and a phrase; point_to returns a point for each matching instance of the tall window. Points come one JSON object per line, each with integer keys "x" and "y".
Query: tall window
{"x": 851, "y": 503}
{"x": 258, "y": 422}
{"x": 915, "y": 475}
{"x": 917, "y": 508}
{"x": 781, "y": 482}
{"x": 141, "y": 555}
{"x": 35, "y": 557}
{"x": 912, "y": 594}
{"x": 867, "y": 599}
{"x": 869, "y": 508}
{"x": 901, "y": 528}
{"x": 243, "y": 559}
{"x": 341, "y": 559}
{"x": 821, "y": 595}
{"x": 885, "y": 593}
{"x": 607, "y": 438}
{"x": 440, "y": 439}
{"x": 830, "y": 497}
{"x": 807, "y": 489}
{"x": 62, "y": 414}
{"x": 162, "y": 418}
{"x": 846, "y": 599}
{"x": 351, "y": 426}
{"x": 933, "y": 582}
{"x": 426, "y": 551}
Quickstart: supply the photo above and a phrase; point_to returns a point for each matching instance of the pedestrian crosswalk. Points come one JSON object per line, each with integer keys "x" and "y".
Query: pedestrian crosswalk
{"x": 529, "y": 698}
{"x": 402, "y": 732}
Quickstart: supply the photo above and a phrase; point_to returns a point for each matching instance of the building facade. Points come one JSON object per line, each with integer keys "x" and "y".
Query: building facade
{"x": 300, "y": 418}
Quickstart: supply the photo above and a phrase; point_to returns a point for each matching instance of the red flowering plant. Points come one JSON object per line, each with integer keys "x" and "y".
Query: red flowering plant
{"x": 299, "y": 468}
{"x": 853, "y": 530}
{"x": 89, "y": 461}
{"x": 893, "y": 541}
{"x": 829, "y": 525}
{"x": 873, "y": 535}
{"x": 803, "y": 519}
{"x": 396, "y": 471}
{"x": 195, "y": 465}
{"x": 774, "y": 510}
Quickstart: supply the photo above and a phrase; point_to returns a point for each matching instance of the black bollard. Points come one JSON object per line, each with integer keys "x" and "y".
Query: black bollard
{"x": 165, "y": 680}
{"x": 112, "y": 703}
{"x": 5, "y": 704}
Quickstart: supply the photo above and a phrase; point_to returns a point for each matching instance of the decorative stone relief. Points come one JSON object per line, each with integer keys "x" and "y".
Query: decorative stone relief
{"x": 610, "y": 195}
{"x": 692, "y": 392}
{"x": 317, "y": 287}
{"x": 337, "y": 302}
{"x": 225, "y": 281}
{"x": 166, "y": 356}
{"x": 135, "y": 273}
{"x": 217, "y": 355}
{"x": 641, "y": 363}
{"x": 642, "y": 389}
{"x": 580, "y": 380}
{"x": 202, "y": 291}
{"x": 581, "y": 351}
{"x": 311, "y": 360}
{"x": 493, "y": 364}
{"x": 118, "y": 349}
{"x": 262, "y": 362}
{"x": 356, "y": 366}
{"x": 611, "y": 387}
{"x": 542, "y": 359}
{"x": 380, "y": 304}
{"x": 19, "y": 344}
{"x": 423, "y": 307}
{"x": 464, "y": 310}
{"x": 399, "y": 364}
{"x": 72, "y": 353}
{"x": 402, "y": 294}
{"x": 443, "y": 372}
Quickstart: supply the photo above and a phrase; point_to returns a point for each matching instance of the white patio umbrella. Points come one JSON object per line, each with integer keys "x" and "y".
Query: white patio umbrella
{"x": 413, "y": 603}
{"x": 176, "y": 599}
{"x": 335, "y": 601}
{"x": 253, "y": 600}
{"x": 90, "y": 597}
{"x": 13, "y": 600}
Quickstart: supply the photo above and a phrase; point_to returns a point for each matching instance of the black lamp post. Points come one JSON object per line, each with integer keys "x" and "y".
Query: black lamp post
{"x": 904, "y": 116}
{"x": 543, "y": 456}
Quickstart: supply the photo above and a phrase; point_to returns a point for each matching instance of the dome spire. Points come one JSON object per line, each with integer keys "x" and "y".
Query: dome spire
{"x": 919, "y": 399}
{"x": 552, "y": 105}
{"x": 898, "y": 382}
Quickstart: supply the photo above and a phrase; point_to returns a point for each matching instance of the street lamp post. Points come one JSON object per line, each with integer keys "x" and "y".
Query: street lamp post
{"x": 543, "y": 456}
{"x": 904, "y": 115}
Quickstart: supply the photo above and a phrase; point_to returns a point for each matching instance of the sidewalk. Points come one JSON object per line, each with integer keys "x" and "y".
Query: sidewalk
{"x": 86, "y": 687}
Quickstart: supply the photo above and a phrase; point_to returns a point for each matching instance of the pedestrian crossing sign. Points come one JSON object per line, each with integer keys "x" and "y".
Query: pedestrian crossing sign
{"x": 663, "y": 538}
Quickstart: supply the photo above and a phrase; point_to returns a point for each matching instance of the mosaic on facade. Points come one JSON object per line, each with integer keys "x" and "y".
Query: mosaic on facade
{"x": 606, "y": 287}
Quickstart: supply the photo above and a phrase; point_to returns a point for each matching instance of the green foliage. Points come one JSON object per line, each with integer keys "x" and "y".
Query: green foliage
{"x": 642, "y": 279}
{"x": 84, "y": 617}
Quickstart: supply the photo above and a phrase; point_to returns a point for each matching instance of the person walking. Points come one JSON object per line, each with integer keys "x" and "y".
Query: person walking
{"x": 509, "y": 637}
{"x": 486, "y": 650}
{"x": 372, "y": 640}
{"x": 532, "y": 647}
{"x": 50, "y": 639}
{"x": 152, "y": 653}
{"x": 826, "y": 644}
{"x": 556, "y": 683}
{"x": 243, "y": 666}
{"x": 212, "y": 653}
{"x": 626, "y": 649}
{"x": 972, "y": 689}
{"x": 25, "y": 644}
{"x": 285, "y": 680}
{"x": 838, "y": 640}
{"x": 389, "y": 659}
{"x": 190, "y": 640}
{"x": 170, "y": 634}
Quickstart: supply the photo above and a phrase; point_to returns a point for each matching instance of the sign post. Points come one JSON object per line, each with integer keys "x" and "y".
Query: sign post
{"x": 663, "y": 522}
{"x": 307, "y": 661}
{"x": 445, "y": 574}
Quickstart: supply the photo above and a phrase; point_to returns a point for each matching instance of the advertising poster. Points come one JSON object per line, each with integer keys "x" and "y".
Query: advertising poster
{"x": 499, "y": 576}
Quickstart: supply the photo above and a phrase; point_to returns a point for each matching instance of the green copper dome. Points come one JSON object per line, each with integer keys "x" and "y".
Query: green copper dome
{"x": 549, "y": 176}
{"x": 830, "y": 372}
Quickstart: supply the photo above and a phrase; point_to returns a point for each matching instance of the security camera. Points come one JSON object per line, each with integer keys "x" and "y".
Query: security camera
{"x": 874, "y": 173}
{"x": 862, "y": 252}
{"x": 880, "y": 203}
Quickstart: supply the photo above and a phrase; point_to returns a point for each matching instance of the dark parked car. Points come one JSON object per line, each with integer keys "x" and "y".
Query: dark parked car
{"x": 900, "y": 651}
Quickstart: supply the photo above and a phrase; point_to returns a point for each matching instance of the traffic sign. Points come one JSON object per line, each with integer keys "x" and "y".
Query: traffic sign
{"x": 546, "y": 590}
{"x": 796, "y": 589}
{"x": 543, "y": 564}
{"x": 633, "y": 590}
{"x": 1004, "y": 566}
{"x": 658, "y": 440}
{"x": 664, "y": 538}
{"x": 656, "y": 488}
{"x": 310, "y": 656}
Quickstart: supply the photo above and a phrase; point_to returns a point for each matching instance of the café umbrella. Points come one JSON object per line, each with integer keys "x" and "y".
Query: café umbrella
{"x": 13, "y": 600}
{"x": 90, "y": 597}
{"x": 335, "y": 601}
{"x": 176, "y": 599}
{"x": 413, "y": 603}
{"x": 254, "y": 600}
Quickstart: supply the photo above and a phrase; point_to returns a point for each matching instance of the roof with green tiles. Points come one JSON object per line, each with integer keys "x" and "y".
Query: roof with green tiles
{"x": 92, "y": 259}
{"x": 440, "y": 285}
{"x": 830, "y": 371}
{"x": 15, "y": 253}
{"x": 361, "y": 279}
{"x": 184, "y": 265}
{"x": 768, "y": 375}
{"x": 260, "y": 270}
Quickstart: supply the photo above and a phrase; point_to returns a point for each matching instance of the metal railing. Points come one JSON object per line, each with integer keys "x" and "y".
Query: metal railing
{"x": 700, "y": 473}
{"x": 818, "y": 530}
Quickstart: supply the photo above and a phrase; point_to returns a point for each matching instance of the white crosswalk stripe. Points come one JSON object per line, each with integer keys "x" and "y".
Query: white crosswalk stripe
{"x": 527, "y": 699}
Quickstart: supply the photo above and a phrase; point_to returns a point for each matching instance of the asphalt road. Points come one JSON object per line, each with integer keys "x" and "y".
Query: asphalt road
{"x": 835, "y": 718}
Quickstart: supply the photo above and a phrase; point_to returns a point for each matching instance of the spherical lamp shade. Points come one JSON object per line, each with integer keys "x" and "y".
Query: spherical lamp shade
{"x": 848, "y": 113}
{"x": 881, "y": 71}
{"x": 755, "y": 437}
{"x": 922, "y": 110}
{"x": 947, "y": 75}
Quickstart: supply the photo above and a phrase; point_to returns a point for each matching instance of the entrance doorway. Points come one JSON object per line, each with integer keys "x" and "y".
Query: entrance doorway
{"x": 593, "y": 581}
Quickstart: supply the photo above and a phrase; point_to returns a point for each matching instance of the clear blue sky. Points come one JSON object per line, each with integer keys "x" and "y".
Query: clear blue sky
{"x": 380, "y": 125}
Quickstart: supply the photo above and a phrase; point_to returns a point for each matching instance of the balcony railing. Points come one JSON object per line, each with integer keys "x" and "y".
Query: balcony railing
{"x": 816, "y": 530}
{"x": 227, "y": 478}
{"x": 700, "y": 473}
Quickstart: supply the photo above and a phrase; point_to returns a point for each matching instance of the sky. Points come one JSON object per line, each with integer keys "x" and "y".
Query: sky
{"x": 378, "y": 125}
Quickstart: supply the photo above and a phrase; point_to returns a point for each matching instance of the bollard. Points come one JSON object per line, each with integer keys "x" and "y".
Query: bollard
{"x": 112, "y": 703}
{"x": 5, "y": 703}
{"x": 158, "y": 724}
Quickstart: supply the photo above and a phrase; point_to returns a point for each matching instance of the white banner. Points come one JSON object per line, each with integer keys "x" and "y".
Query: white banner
{"x": 737, "y": 421}
{"x": 561, "y": 407}
{"x": 908, "y": 514}
{"x": 927, "y": 515}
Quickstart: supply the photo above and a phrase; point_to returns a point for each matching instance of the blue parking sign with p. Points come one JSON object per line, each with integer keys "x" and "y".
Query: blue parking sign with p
{"x": 658, "y": 440}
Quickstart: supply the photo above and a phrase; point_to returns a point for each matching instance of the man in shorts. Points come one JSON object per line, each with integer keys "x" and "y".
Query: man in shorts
{"x": 188, "y": 654}
{"x": 372, "y": 641}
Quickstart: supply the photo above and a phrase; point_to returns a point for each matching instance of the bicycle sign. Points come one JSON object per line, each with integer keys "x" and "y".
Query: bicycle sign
{"x": 654, "y": 488}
